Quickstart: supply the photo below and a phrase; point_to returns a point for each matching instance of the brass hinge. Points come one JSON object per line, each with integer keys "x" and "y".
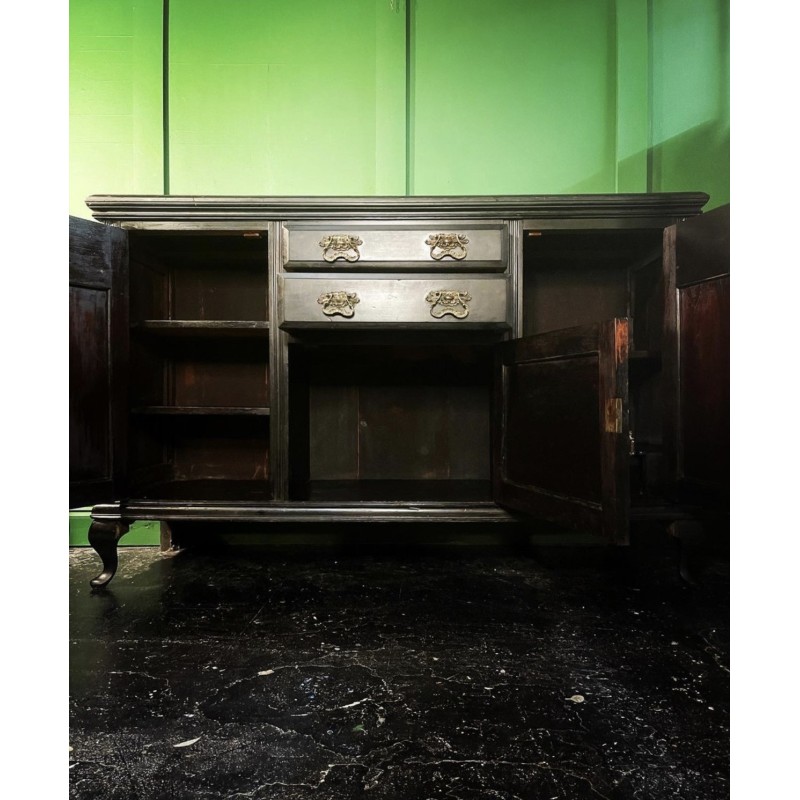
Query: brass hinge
{"x": 614, "y": 415}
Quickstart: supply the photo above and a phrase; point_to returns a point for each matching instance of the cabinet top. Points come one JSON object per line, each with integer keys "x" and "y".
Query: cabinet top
{"x": 172, "y": 208}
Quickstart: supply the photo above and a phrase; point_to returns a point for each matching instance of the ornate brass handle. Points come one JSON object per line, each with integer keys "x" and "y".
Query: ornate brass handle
{"x": 445, "y": 301}
{"x": 340, "y": 245}
{"x": 338, "y": 303}
{"x": 447, "y": 244}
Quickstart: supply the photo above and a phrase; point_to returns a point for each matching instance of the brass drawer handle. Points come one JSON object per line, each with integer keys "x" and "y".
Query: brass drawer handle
{"x": 341, "y": 245}
{"x": 447, "y": 244}
{"x": 338, "y": 303}
{"x": 445, "y": 301}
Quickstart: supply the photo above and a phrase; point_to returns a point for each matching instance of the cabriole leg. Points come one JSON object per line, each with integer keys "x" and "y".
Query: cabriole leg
{"x": 103, "y": 537}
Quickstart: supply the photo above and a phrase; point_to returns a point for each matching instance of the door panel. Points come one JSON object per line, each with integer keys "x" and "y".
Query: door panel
{"x": 697, "y": 361}
{"x": 561, "y": 412}
{"x": 97, "y": 360}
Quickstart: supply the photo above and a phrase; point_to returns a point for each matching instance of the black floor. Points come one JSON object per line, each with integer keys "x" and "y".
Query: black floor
{"x": 458, "y": 673}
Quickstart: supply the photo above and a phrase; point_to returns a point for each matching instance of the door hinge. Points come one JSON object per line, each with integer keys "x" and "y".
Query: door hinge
{"x": 614, "y": 415}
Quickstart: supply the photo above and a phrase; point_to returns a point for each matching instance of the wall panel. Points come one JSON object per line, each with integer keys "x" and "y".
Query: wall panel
{"x": 513, "y": 97}
{"x": 690, "y": 78}
{"x": 115, "y": 99}
{"x": 286, "y": 97}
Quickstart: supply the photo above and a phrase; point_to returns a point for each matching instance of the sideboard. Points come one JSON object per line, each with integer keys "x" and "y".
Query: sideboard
{"x": 504, "y": 359}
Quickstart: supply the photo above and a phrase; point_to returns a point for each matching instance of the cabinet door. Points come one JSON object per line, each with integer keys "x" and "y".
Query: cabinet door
{"x": 560, "y": 445}
{"x": 98, "y": 334}
{"x": 697, "y": 358}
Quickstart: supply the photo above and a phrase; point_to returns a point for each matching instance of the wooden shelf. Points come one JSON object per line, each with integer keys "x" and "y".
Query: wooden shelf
{"x": 208, "y": 411}
{"x": 202, "y": 327}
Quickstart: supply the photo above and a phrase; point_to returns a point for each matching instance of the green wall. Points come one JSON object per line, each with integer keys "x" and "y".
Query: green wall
{"x": 116, "y": 126}
{"x": 690, "y": 100}
{"x": 377, "y": 97}
{"x": 374, "y": 97}
{"x": 292, "y": 97}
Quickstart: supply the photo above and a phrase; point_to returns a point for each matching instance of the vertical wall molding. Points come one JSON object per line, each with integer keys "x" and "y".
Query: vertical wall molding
{"x": 165, "y": 92}
{"x": 409, "y": 71}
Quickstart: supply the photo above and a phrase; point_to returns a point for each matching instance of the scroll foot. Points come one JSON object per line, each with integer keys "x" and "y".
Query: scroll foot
{"x": 103, "y": 537}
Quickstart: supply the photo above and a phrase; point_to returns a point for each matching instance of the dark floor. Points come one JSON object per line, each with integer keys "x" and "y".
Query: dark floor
{"x": 458, "y": 673}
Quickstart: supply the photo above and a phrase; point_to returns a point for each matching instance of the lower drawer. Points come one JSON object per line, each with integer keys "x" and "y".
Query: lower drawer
{"x": 314, "y": 302}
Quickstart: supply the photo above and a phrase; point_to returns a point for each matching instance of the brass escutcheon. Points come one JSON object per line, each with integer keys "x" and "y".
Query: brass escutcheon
{"x": 341, "y": 245}
{"x": 447, "y": 244}
{"x": 338, "y": 303}
{"x": 444, "y": 301}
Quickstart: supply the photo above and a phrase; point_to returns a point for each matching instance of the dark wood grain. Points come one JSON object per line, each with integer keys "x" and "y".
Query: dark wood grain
{"x": 705, "y": 382}
{"x": 204, "y": 328}
{"x": 554, "y": 456}
{"x": 98, "y": 343}
{"x": 202, "y": 411}
{"x": 133, "y": 209}
{"x": 697, "y": 357}
{"x": 391, "y": 424}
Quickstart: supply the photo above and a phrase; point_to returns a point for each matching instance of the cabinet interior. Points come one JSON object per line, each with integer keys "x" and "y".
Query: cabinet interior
{"x": 390, "y": 420}
{"x": 582, "y": 276}
{"x": 199, "y": 364}
{"x": 399, "y": 417}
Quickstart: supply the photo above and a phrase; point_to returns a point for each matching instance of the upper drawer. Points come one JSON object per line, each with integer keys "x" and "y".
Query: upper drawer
{"x": 309, "y": 302}
{"x": 463, "y": 246}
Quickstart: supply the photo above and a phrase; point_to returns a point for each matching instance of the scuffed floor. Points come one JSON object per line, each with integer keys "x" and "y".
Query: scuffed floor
{"x": 459, "y": 674}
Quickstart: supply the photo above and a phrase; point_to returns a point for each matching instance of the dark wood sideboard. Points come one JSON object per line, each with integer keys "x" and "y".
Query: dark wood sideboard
{"x": 511, "y": 359}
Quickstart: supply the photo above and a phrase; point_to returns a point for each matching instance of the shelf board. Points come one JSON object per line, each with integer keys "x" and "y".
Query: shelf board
{"x": 207, "y": 411}
{"x": 202, "y": 327}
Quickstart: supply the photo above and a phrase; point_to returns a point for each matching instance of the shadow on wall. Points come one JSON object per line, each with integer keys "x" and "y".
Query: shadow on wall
{"x": 697, "y": 159}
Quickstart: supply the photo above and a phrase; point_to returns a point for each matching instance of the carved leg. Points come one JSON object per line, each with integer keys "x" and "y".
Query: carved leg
{"x": 103, "y": 537}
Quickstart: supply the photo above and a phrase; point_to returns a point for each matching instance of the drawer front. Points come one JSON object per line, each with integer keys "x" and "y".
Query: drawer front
{"x": 374, "y": 302}
{"x": 431, "y": 246}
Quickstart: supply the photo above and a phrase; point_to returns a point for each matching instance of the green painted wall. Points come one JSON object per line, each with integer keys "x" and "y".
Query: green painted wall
{"x": 690, "y": 74}
{"x": 513, "y": 97}
{"x": 313, "y": 97}
{"x": 300, "y": 97}
{"x": 141, "y": 533}
{"x": 115, "y": 80}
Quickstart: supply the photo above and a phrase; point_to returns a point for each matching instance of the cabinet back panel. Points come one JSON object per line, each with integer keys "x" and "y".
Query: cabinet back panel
{"x": 581, "y": 277}
{"x": 219, "y": 373}
{"x": 209, "y": 276}
{"x": 392, "y": 413}
{"x": 219, "y": 293}
{"x": 219, "y": 447}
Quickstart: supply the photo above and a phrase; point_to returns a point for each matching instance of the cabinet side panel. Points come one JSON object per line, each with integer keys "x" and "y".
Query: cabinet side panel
{"x": 705, "y": 380}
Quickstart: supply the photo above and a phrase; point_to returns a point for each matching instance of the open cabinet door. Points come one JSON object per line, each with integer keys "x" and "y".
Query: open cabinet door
{"x": 560, "y": 444}
{"x": 98, "y": 335}
{"x": 697, "y": 358}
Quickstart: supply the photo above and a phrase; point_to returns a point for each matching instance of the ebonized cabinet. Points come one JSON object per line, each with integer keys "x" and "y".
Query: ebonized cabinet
{"x": 440, "y": 359}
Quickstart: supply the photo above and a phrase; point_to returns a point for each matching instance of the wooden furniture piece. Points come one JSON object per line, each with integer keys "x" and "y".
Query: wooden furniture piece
{"x": 394, "y": 359}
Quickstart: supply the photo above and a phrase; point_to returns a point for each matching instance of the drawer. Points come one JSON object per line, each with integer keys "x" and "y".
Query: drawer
{"x": 372, "y": 246}
{"x": 374, "y": 302}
